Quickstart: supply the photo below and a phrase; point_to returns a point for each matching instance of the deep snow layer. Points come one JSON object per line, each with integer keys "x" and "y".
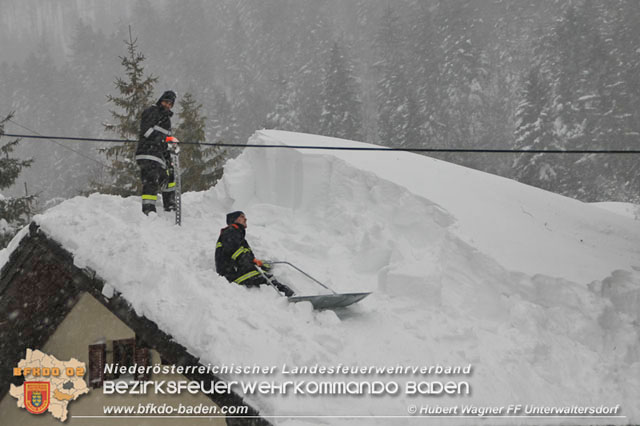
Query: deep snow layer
{"x": 629, "y": 210}
{"x": 524, "y": 228}
{"x": 536, "y": 291}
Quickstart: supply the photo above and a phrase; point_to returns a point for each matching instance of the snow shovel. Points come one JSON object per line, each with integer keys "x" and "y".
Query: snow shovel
{"x": 320, "y": 301}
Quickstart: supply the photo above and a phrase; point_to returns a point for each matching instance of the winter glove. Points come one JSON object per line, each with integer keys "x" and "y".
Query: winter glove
{"x": 263, "y": 265}
{"x": 173, "y": 144}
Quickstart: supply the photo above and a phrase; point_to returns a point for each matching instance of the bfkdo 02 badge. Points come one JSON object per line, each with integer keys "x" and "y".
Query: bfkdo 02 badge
{"x": 36, "y": 396}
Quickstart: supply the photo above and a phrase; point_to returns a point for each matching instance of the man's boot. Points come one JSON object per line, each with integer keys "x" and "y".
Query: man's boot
{"x": 148, "y": 208}
{"x": 283, "y": 288}
{"x": 169, "y": 201}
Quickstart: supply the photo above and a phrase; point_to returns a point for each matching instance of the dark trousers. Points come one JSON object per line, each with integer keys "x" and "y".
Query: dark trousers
{"x": 155, "y": 178}
{"x": 259, "y": 280}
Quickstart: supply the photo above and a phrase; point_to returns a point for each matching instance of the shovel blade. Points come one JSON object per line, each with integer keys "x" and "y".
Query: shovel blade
{"x": 330, "y": 301}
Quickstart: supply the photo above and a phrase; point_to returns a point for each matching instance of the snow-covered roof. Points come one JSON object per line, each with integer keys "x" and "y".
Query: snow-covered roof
{"x": 530, "y": 288}
{"x": 522, "y": 227}
{"x": 632, "y": 211}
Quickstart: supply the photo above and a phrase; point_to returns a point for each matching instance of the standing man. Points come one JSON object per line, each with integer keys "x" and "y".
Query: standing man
{"x": 235, "y": 260}
{"x": 153, "y": 155}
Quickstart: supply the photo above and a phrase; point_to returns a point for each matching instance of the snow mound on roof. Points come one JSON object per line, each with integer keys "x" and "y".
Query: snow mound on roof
{"x": 524, "y": 228}
{"x": 418, "y": 233}
{"x": 629, "y": 210}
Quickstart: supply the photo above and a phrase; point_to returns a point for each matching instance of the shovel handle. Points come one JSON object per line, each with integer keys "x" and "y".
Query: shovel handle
{"x": 268, "y": 280}
{"x": 283, "y": 262}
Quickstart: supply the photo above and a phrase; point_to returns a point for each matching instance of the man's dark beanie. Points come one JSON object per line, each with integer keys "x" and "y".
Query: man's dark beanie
{"x": 169, "y": 95}
{"x": 231, "y": 217}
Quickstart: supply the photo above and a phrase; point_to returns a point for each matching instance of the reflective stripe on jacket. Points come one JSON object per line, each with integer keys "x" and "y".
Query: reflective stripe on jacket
{"x": 234, "y": 258}
{"x": 155, "y": 126}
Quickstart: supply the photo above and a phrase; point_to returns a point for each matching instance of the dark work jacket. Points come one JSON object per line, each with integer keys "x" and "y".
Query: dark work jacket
{"x": 234, "y": 257}
{"x": 155, "y": 126}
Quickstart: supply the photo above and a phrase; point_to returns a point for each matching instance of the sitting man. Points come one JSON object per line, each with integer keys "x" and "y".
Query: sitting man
{"x": 235, "y": 260}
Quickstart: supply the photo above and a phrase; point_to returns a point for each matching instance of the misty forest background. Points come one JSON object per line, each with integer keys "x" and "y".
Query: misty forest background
{"x": 402, "y": 73}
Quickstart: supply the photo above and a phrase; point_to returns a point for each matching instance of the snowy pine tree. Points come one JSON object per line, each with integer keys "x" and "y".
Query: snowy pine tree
{"x": 448, "y": 74}
{"x": 342, "y": 109}
{"x": 286, "y": 113}
{"x": 583, "y": 94}
{"x": 38, "y": 100}
{"x": 301, "y": 82}
{"x": 223, "y": 126}
{"x": 535, "y": 131}
{"x": 201, "y": 166}
{"x": 393, "y": 93}
{"x": 136, "y": 94}
{"x": 14, "y": 212}
{"x": 622, "y": 40}
{"x": 242, "y": 73}
{"x": 462, "y": 78}
{"x": 423, "y": 65}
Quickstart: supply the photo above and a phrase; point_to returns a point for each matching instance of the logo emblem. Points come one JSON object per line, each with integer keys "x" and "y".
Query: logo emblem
{"x": 36, "y": 397}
